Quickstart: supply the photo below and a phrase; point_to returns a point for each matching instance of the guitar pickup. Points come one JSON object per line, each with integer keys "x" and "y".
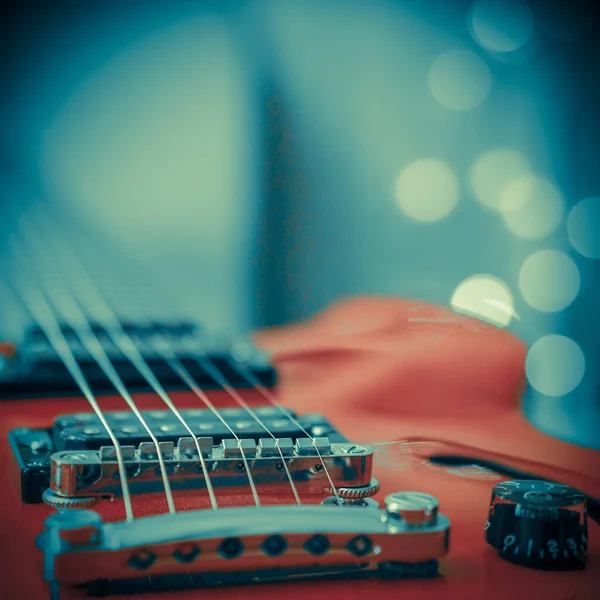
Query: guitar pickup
{"x": 95, "y": 473}
{"x": 194, "y": 549}
{"x": 85, "y": 431}
{"x": 33, "y": 448}
{"x": 37, "y": 371}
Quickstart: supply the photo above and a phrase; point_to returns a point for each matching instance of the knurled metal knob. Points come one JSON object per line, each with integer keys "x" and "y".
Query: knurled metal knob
{"x": 357, "y": 493}
{"x": 61, "y": 502}
{"x": 416, "y": 509}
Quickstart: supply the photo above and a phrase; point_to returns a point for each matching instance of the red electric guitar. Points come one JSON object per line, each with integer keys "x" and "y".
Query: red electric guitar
{"x": 376, "y": 451}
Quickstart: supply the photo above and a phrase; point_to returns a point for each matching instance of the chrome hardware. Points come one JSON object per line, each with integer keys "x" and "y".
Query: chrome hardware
{"x": 233, "y": 449}
{"x": 414, "y": 509}
{"x": 314, "y": 446}
{"x": 357, "y": 494}
{"x": 33, "y": 448}
{"x": 94, "y": 473}
{"x": 61, "y": 502}
{"x": 241, "y": 546}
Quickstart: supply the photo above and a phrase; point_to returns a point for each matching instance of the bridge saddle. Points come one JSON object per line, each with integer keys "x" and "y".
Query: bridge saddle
{"x": 310, "y": 463}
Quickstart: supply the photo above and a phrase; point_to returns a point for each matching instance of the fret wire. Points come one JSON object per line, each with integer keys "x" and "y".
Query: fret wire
{"x": 43, "y": 314}
{"x": 126, "y": 345}
{"x": 270, "y": 397}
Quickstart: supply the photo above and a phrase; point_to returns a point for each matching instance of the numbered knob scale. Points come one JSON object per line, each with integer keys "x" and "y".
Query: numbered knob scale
{"x": 538, "y": 524}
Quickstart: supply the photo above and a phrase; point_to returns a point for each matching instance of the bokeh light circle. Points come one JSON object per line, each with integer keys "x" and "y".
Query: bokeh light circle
{"x": 501, "y": 25}
{"x": 532, "y": 207}
{"x": 549, "y": 280}
{"x": 555, "y": 365}
{"x": 583, "y": 227}
{"x": 459, "y": 80}
{"x": 427, "y": 190}
{"x": 485, "y": 297}
{"x": 493, "y": 171}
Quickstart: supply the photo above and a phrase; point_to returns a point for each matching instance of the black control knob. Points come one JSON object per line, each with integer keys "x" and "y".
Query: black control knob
{"x": 538, "y": 524}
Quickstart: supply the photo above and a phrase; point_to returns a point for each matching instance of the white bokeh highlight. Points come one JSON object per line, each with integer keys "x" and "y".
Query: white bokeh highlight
{"x": 486, "y": 297}
{"x": 459, "y": 80}
{"x": 549, "y": 280}
{"x": 427, "y": 190}
{"x": 493, "y": 172}
{"x": 532, "y": 207}
{"x": 555, "y": 365}
{"x": 583, "y": 227}
{"x": 501, "y": 25}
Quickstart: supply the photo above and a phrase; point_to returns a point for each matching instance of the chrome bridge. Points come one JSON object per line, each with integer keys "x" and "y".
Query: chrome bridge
{"x": 82, "y": 438}
{"x": 245, "y": 545}
{"x": 87, "y": 475}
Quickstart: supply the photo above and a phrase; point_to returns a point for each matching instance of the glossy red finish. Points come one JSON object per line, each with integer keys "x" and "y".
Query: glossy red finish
{"x": 377, "y": 382}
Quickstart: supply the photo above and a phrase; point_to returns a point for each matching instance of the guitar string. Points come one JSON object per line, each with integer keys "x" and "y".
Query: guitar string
{"x": 220, "y": 378}
{"x": 251, "y": 378}
{"x": 82, "y": 274}
{"x": 223, "y": 382}
{"x": 169, "y": 356}
{"x": 127, "y": 346}
{"x": 213, "y": 371}
{"x": 44, "y": 316}
{"x": 184, "y": 374}
{"x": 75, "y": 318}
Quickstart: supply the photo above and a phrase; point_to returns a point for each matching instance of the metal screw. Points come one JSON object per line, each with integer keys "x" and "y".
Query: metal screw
{"x": 38, "y": 446}
{"x": 353, "y": 449}
{"x": 129, "y": 429}
{"x": 320, "y": 430}
{"x": 74, "y": 457}
{"x": 36, "y": 442}
{"x": 82, "y": 417}
{"x": 92, "y": 430}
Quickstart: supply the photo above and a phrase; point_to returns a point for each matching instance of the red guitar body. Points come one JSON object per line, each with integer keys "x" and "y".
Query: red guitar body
{"x": 360, "y": 364}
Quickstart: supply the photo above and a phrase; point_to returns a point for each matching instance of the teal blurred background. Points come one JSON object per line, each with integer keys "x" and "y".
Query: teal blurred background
{"x": 261, "y": 159}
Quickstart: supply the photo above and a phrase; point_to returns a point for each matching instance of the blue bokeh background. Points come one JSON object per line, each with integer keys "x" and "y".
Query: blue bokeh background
{"x": 260, "y": 159}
